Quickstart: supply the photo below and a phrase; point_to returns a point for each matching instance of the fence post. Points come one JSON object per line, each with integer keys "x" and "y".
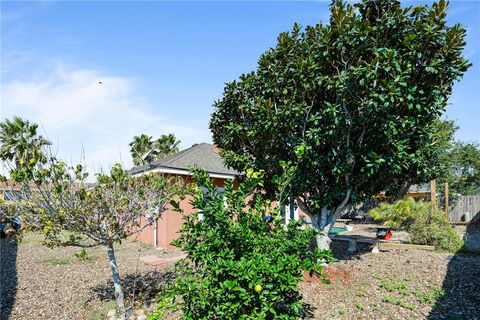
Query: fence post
{"x": 433, "y": 192}
{"x": 446, "y": 201}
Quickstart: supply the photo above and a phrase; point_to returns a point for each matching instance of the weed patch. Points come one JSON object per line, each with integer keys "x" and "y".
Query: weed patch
{"x": 56, "y": 261}
{"x": 430, "y": 296}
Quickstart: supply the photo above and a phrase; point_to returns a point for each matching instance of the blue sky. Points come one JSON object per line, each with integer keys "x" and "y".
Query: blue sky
{"x": 162, "y": 64}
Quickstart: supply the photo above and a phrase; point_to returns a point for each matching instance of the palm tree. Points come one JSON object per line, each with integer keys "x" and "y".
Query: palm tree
{"x": 20, "y": 142}
{"x": 142, "y": 149}
{"x": 166, "y": 145}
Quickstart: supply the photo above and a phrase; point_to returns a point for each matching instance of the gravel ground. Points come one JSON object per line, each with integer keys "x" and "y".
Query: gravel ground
{"x": 55, "y": 284}
{"x": 398, "y": 284}
{"x": 394, "y": 284}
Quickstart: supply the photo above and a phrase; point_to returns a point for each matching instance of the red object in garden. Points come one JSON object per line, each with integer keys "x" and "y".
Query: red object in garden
{"x": 384, "y": 233}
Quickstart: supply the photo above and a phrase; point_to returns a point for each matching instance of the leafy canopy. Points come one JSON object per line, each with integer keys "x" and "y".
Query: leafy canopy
{"x": 361, "y": 95}
{"x": 59, "y": 201}
{"x": 463, "y": 168}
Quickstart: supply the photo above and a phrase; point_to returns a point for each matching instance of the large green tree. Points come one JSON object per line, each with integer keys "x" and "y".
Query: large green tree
{"x": 359, "y": 98}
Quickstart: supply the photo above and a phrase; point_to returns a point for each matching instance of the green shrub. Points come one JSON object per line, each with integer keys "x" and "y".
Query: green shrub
{"x": 431, "y": 227}
{"x": 82, "y": 255}
{"x": 425, "y": 223}
{"x": 396, "y": 215}
{"x": 239, "y": 267}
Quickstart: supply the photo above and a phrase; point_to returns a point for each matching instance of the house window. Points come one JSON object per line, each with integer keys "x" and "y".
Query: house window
{"x": 220, "y": 191}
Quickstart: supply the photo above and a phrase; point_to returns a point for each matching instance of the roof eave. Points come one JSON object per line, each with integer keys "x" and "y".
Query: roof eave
{"x": 181, "y": 171}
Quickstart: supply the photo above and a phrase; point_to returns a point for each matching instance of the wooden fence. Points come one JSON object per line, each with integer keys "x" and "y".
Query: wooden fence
{"x": 465, "y": 206}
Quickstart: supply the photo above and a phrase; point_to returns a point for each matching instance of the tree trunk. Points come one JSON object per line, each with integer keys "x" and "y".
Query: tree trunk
{"x": 116, "y": 281}
{"x": 402, "y": 191}
{"x": 320, "y": 222}
{"x": 324, "y": 220}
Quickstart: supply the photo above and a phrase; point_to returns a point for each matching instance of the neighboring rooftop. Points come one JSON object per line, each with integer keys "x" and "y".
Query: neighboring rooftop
{"x": 419, "y": 188}
{"x": 204, "y": 155}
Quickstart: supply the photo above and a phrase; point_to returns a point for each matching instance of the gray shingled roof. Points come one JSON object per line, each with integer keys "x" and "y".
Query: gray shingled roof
{"x": 201, "y": 154}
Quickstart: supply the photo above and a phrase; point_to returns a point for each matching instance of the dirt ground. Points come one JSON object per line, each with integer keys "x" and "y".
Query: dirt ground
{"x": 42, "y": 283}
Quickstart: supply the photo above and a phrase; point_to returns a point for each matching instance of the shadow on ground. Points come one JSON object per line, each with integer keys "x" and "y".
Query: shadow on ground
{"x": 8, "y": 276}
{"x": 339, "y": 249}
{"x": 141, "y": 288}
{"x": 462, "y": 283}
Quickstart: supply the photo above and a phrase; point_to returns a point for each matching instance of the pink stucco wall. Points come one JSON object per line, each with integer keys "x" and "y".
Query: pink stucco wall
{"x": 170, "y": 222}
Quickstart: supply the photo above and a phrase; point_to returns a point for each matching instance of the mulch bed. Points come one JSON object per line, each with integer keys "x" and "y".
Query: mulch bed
{"x": 42, "y": 283}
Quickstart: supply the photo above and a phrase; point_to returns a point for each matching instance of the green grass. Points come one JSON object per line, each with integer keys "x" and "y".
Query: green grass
{"x": 389, "y": 299}
{"x": 83, "y": 255}
{"x": 399, "y": 302}
{"x": 56, "y": 261}
{"x": 409, "y": 306}
{"x": 400, "y": 287}
{"x": 376, "y": 309}
{"x": 31, "y": 238}
{"x": 394, "y": 286}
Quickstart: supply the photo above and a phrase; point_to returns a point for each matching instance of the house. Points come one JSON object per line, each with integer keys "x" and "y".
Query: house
{"x": 204, "y": 155}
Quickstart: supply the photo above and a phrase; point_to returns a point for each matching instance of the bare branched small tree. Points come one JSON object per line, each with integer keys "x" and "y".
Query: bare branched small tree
{"x": 57, "y": 200}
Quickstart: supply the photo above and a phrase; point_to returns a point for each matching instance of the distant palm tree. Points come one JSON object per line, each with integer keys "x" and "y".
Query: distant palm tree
{"x": 142, "y": 149}
{"x": 145, "y": 150}
{"x": 167, "y": 145}
{"x": 20, "y": 142}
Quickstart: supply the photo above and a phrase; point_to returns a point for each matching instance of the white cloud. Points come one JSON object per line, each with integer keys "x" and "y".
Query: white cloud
{"x": 78, "y": 112}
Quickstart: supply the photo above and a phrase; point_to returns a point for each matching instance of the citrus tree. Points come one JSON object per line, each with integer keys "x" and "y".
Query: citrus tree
{"x": 359, "y": 95}
{"x": 242, "y": 263}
